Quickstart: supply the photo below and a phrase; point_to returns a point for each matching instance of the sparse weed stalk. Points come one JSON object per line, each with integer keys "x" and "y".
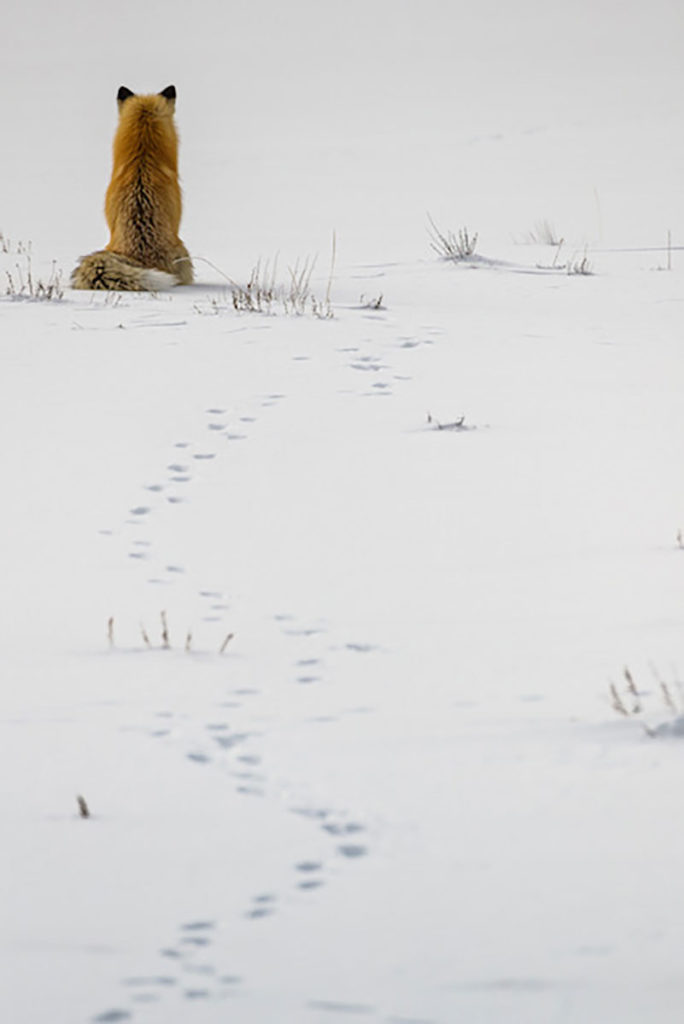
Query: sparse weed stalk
{"x": 224, "y": 645}
{"x": 580, "y": 265}
{"x": 630, "y": 702}
{"x": 22, "y": 285}
{"x": 258, "y": 295}
{"x": 165, "y": 640}
{"x": 20, "y": 248}
{"x": 263, "y": 294}
{"x": 373, "y": 303}
{"x": 450, "y": 246}
{"x": 299, "y": 291}
{"x": 557, "y": 253}
{"x": 555, "y": 264}
{"x": 457, "y": 424}
{"x": 544, "y": 233}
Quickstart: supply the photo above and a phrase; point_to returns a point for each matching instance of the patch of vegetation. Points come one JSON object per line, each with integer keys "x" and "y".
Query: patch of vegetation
{"x": 630, "y": 701}
{"x": 449, "y": 245}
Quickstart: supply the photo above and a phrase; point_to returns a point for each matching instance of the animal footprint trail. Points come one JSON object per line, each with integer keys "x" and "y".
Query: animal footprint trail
{"x": 195, "y": 964}
{"x": 309, "y": 875}
{"x": 190, "y": 974}
{"x": 191, "y": 970}
{"x": 189, "y": 461}
{"x": 262, "y": 905}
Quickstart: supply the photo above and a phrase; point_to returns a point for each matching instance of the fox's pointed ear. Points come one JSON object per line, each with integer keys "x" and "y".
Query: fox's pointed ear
{"x": 123, "y": 94}
{"x": 169, "y": 93}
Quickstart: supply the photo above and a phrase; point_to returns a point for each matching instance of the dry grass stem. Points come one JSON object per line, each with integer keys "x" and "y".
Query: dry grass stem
{"x": 554, "y": 264}
{"x": 450, "y": 246}
{"x": 21, "y": 283}
{"x": 544, "y": 233}
{"x": 263, "y": 294}
{"x": 458, "y": 424}
{"x": 617, "y": 702}
{"x": 667, "y": 699}
{"x": 83, "y": 808}
{"x": 674, "y": 726}
{"x": 165, "y": 643}
{"x": 580, "y": 266}
{"x": 225, "y": 643}
{"x": 365, "y": 303}
{"x": 632, "y": 690}
{"x": 165, "y": 632}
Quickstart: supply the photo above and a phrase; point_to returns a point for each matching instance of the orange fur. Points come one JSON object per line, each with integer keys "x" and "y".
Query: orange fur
{"x": 143, "y": 201}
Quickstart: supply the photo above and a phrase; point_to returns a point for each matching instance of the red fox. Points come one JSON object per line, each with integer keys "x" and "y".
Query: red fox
{"x": 142, "y": 204}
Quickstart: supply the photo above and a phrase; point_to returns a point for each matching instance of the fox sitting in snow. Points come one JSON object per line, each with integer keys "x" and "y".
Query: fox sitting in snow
{"x": 142, "y": 204}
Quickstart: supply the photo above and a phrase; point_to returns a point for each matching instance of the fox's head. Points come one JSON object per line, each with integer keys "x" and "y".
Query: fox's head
{"x": 169, "y": 94}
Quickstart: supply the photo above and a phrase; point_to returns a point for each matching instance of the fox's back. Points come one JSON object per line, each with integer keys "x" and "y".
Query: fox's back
{"x": 142, "y": 203}
{"x": 143, "y": 200}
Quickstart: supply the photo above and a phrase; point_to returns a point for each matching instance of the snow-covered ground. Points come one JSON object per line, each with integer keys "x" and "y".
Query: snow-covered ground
{"x": 438, "y": 525}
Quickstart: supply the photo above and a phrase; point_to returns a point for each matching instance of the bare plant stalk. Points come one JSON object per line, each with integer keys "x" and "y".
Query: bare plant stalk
{"x": 544, "y": 233}
{"x": 617, "y": 702}
{"x": 300, "y": 285}
{"x": 143, "y": 633}
{"x": 188, "y": 642}
{"x": 450, "y": 246}
{"x": 580, "y": 266}
{"x": 165, "y": 632}
{"x": 332, "y": 269}
{"x": 631, "y": 689}
{"x": 213, "y": 266}
{"x": 34, "y": 291}
{"x": 557, "y": 252}
{"x": 667, "y": 699}
{"x": 110, "y": 630}
{"x": 83, "y": 808}
{"x": 225, "y": 643}
{"x": 456, "y": 425}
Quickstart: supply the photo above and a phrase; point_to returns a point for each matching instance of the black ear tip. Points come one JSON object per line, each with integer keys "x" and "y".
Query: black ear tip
{"x": 123, "y": 94}
{"x": 169, "y": 93}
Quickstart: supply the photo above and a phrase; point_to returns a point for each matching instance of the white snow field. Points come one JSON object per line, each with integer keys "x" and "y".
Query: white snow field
{"x": 438, "y": 524}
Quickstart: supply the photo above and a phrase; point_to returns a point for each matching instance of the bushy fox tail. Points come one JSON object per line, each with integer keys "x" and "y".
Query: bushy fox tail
{"x": 110, "y": 272}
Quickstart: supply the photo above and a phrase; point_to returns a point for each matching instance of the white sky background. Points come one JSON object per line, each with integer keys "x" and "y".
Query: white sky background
{"x": 365, "y": 63}
{"x": 298, "y": 118}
